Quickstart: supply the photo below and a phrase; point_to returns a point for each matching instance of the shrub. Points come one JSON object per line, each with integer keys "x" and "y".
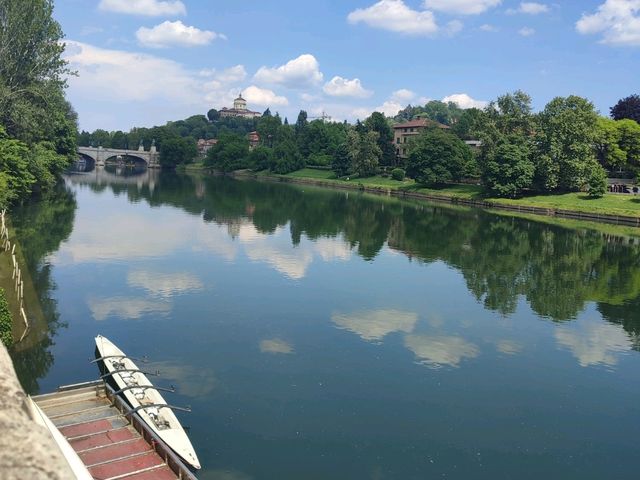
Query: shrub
{"x": 5, "y": 321}
{"x": 398, "y": 174}
{"x": 597, "y": 182}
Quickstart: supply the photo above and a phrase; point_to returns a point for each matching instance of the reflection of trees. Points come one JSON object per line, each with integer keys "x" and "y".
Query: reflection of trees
{"x": 557, "y": 270}
{"x": 40, "y": 228}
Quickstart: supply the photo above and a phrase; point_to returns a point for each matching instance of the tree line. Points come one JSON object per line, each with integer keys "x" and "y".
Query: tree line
{"x": 38, "y": 127}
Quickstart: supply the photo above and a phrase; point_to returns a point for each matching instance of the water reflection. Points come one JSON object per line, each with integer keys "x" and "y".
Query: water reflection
{"x": 374, "y": 325}
{"x": 439, "y": 350}
{"x": 128, "y": 308}
{"x": 275, "y": 345}
{"x": 594, "y": 343}
{"x": 164, "y": 285}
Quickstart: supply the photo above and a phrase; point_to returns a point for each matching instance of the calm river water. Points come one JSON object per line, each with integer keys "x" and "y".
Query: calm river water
{"x": 332, "y": 335}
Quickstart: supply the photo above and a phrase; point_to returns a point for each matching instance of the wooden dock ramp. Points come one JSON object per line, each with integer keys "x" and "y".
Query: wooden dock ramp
{"x": 113, "y": 444}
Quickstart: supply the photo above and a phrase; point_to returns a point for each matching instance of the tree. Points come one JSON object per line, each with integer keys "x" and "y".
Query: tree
{"x": 628, "y": 107}
{"x": 607, "y": 144}
{"x": 364, "y": 152}
{"x": 377, "y": 122}
{"x": 260, "y": 158}
{"x": 213, "y": 115}
{"x": 15, "y": 178}
{"x": 229, "y": 154}
{"x": 469, "y": 124}
{"x": 597, "y": 181}
{"x": 509, "y": 170}
{"x": 437, "y": 157}
{"x": 565, "y": 136}
{"x": 267, "y": 128}
{"x": 175, "y": 151}
{"x": 341, "y": 163}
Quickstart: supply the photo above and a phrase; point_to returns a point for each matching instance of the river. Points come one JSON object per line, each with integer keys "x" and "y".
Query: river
{"x": 322, "y": 334}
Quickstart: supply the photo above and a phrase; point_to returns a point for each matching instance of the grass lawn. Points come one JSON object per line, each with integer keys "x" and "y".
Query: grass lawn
{"x": 610, "y": 204}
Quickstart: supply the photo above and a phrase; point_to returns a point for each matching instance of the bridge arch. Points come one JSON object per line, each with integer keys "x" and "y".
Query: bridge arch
{"x": 127, "y": 156}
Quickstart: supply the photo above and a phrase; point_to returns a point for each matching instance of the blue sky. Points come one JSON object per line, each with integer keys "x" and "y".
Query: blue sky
{"x": 145, "y": 62}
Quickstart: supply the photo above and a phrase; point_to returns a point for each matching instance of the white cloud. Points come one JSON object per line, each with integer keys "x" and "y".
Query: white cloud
{"x": 101, "y": 70}
{"x": 462, "y": 7}
{"x": 403, "y": 95}
{"x": 263, "y": 97}
{"x": 526, "y": 31}
{"x": 488, "y": 28}
{"x": 529, "y": 8}
{"x": 175, "y": 33}
{"x": 300, "y": 72}
{"x": 342, "y": 87}
{"x": 164, "y": 285}
{"x": 436, "y": 351}
{"x": 151, "y": 8}
{"x": 374, "y": 325}
{"x": 390, "y": 108}
{"x": 509, "y": 347}
{"x": 617, "y": 20}
{"x": 396, "y": 16}
{"x": 465, "y": 101}
{"x": 275, "y": 346}
{"x": 594, "y": 343}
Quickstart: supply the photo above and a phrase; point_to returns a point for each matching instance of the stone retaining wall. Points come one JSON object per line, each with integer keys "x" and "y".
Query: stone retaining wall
{"x": 27, "y": 452}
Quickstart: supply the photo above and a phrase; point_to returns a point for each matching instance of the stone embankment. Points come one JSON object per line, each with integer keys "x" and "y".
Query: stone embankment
{"x": 27, "y": 452}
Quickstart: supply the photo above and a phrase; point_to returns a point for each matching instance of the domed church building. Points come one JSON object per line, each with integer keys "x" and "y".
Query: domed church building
{"x": 239, "y": 109}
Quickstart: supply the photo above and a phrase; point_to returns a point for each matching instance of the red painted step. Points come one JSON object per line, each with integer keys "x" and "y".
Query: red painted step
{"x": 114, "y": 452}
{"x": 163, "y": 473}
{"x": 124, "y": 466}
{"x": 86, "y": 428}
{"x": 102, "y": 439}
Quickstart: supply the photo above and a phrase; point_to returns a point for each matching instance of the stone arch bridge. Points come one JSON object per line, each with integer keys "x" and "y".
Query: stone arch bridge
{"x": 101, "y": 155}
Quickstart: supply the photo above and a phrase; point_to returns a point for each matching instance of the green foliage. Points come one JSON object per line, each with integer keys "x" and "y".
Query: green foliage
{"x": 607, "y": 144}
{"x": 628, "y": 108}
{"x": 5, "y": 321}
{"x": 565, "y": 136}
{"x": 469, "y": 124}
{"x": 176, "y": 151}
{"x": 398, "y": 174}
{"x": 14, "y": 165}
{"x": 260, "y": 158}
{"x": 319, "y": 159}
{"x": 597, "y": 182}
{"x": 508, "y": 170}
{"x": 229, "y": 154}
{"x": 286, "y": 157}
{"x": 437, "y": 157}
{"x": 378, "y": 123}
{"x": 341, "y": 162}
{"x": 364, "y": 152}
{"x": 445, "y": 113}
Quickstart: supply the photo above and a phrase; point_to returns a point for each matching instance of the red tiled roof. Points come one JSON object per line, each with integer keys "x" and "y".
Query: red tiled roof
{"x": 420, "y": 123}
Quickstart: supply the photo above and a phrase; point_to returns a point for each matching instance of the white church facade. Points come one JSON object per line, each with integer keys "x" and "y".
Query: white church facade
{"x": 239, "y": 110}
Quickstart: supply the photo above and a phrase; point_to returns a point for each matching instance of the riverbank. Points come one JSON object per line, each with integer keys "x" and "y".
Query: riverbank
{"x": 615, "y": 209}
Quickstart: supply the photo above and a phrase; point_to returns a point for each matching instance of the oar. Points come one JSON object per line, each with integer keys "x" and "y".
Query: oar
{"x": 145, "y": 387}
{"x": 160, "y": 405}
{"x": 143, "y": 359}
{"x": 130, "y": 370}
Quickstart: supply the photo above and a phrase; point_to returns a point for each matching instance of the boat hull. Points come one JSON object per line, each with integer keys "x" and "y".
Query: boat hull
{"x": 139, "y": 392}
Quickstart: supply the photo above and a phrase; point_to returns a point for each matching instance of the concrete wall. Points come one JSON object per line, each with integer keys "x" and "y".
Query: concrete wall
{"x": 26, "y": 449}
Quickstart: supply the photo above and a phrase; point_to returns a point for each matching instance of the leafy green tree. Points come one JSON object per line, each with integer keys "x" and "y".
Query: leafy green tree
{"x": 629, "y": 131}
{"x": 509, "y": 170}
{"x": 628, "y": 107}
{"x": 437, "y": 157}
{"x": 268, "y": 127}
{"x": 341, "y": 164}
{"x": 364, "y": 152}
{"x": 597, "y": 181}
{"x": 175, "y": 151}
{"x": 607, "y": 144}
{"x": 469, "y": 124}
{"x": 229, "y": 154}
{"x": 260, "y": 158}
{"x": 378, "y": 123}
{"x": 213, "y": 115}
{"x": 565, "y": 138}
{"x": 17, "y": 179}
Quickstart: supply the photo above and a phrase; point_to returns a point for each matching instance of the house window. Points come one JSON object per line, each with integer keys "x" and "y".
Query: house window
{"x": 398, "y": 140}
{"x": 404, "y": 151}
{"x": 397, "y": 151}
{"x": 405, "y": 139}
{"x": 406, "y": 130}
